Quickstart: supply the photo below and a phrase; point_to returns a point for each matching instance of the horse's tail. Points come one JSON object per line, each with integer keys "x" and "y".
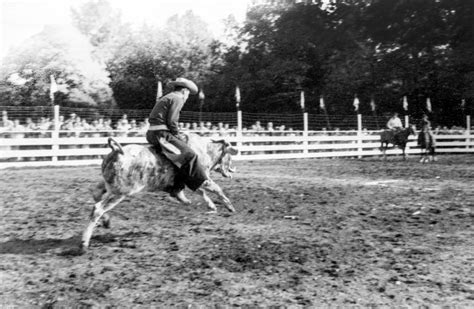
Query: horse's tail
{"x": 115, "y": 145}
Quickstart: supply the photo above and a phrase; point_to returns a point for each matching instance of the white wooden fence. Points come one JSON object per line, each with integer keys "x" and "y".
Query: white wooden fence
{"x": 53, "y": 150}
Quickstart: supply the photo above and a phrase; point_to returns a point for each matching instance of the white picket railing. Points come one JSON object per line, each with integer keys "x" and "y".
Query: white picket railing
{"x": 55, "y": 150}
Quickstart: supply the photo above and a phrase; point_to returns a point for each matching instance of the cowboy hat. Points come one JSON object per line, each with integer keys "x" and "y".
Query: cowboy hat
{"x": 186, "y": 83}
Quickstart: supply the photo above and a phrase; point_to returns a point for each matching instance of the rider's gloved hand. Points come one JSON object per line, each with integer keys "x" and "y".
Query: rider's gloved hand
{"x": 181, "y": 136}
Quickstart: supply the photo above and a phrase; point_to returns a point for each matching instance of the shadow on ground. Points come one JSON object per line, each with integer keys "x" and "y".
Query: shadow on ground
{"x": 68, "y": 245}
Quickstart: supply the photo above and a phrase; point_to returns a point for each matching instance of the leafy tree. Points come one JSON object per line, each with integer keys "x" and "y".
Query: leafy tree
{"x": 417, "y": 53}
{"x": 101, "y": 23}
{"x": 63, "y": 53}
{"x": 141, "y": 59}
{"x": 383, "y": 49}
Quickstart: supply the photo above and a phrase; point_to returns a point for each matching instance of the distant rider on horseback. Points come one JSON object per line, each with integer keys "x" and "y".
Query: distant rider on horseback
{"x": 394, "y": 123}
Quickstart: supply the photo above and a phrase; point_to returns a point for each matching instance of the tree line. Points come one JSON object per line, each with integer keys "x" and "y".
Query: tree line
{"x": 377, "y": 50}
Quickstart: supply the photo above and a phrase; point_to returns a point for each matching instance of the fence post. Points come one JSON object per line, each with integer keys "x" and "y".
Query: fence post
{"x": 55, "y": 134}
{"x": 407, "y": 124}
{"x": 359, "y": 135}
{"x": 239, "y": 130}
{"x": 468, "y": 130}
{"x": 305, "y": 132}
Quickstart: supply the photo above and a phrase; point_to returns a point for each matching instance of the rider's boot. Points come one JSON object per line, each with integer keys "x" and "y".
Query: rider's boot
{"x": 179, "y": 195}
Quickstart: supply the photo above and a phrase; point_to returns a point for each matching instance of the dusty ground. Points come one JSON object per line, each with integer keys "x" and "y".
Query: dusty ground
{"x": 307, "y": 233}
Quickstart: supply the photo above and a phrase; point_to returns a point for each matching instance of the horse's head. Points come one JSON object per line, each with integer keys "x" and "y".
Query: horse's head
{"x": 224, "y": 162}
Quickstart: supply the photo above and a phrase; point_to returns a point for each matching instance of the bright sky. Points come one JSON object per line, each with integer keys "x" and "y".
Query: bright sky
{"x": 19, "y": 19}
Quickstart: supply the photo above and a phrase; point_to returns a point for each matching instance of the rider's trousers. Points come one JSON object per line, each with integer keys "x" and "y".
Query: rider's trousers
{"x": 191, "y": 171}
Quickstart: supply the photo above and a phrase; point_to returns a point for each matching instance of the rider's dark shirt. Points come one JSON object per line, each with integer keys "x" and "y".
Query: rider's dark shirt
{"x": 166, "y": 112}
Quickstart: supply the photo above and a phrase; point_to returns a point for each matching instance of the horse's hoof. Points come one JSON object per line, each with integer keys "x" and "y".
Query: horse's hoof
{"x": 106, "y": 224}
{"x": 230, "y": 208}
{"x": 82, "y": 248}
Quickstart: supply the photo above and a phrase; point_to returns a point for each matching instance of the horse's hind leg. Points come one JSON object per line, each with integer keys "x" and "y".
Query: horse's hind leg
{"x": 98, "y": 192}
{"x": 100, "y": 208}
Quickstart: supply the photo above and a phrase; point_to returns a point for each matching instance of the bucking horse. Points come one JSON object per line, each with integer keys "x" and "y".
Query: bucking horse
{"x": 133, "y": 168}
{"x": 396, "y": 138}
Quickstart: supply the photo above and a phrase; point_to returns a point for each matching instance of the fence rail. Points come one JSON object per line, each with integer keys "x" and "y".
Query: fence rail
{"x": 54, "y": 150}
{"x": 65, "y": 147}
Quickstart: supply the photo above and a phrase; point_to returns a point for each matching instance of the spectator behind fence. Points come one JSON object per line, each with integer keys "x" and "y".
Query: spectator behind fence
{"x": 221, "y": 130}
{"x": 18, "y": 132}
{"x": 143, "y": 126}
{"x": 69, "y": 122}
{"x": 17, "y": 129}
{"x": 270, "y": 126}
{"x": 30, "y": 126}
{"x": 124, "y": 119}
{"x": 95, "y": 127}
{"x": 77, "y": 126}
{"x": 132, "y": 131}
{"x": 187, "y": 126}
{"x": 6, "y": 124}
{"x": 202, "y": 126}
{"x": 44, "y": 125}
{"x": 123, "y": 126}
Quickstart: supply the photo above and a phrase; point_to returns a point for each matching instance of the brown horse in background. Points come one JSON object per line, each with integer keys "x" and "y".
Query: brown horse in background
{"x": 396, "y": 138}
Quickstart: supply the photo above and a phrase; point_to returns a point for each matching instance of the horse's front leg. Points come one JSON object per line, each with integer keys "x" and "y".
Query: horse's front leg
{"x": 433, "y": 147}
{"x": 209, "y": 203}
{"x": 98, "y": 192}
{"x": 211, "y": 186}
{"x": 384, "y": 149}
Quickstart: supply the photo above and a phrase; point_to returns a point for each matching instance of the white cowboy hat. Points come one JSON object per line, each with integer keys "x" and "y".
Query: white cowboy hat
{"x": 186, "y": 83}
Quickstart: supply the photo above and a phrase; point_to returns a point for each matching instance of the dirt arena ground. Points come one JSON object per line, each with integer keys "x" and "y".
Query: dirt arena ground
{"x": 307, "y": 233}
